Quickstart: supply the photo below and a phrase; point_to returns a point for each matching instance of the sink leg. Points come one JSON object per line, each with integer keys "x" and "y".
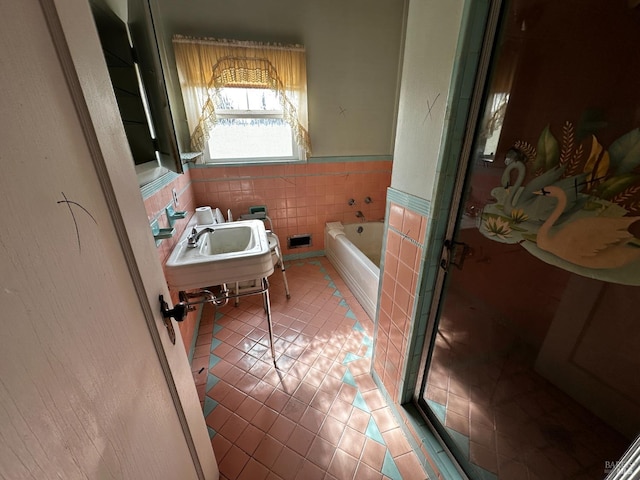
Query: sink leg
{"x": 267, "y": 304}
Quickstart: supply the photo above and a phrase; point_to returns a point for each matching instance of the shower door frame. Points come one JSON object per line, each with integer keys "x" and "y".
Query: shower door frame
{"x": 449, "y": 226}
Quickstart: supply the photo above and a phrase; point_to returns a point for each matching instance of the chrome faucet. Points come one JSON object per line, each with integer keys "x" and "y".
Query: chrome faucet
{"x": 194, "y": 236}
{"x": 359, "y": 214}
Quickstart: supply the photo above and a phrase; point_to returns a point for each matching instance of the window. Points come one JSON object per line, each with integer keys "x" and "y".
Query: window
{"x": 250, "y": 127}
{"x": 245, "y": 102}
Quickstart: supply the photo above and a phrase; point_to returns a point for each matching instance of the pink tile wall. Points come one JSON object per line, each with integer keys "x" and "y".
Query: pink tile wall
{"x": 155, "y": 206}
{"x": 402, "y": 264}
{"x": 299, "y": 198}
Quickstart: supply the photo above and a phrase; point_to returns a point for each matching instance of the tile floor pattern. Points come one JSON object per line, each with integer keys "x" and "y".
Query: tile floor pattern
{"x": 319, "y": 415}
{"x": 505, "y": 417}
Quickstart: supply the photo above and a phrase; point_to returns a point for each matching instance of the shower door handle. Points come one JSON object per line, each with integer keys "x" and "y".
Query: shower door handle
{"x": 453, "y": 255}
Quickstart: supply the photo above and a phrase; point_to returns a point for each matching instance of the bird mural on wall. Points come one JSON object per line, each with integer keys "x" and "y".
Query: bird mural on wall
{"x": 518, "y": 208}
{"x": 580, "y": 208}
{"x": 592, "y": 242}
{"x": 523, "y": 198}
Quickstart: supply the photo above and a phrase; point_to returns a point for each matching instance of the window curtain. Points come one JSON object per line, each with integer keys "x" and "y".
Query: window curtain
{"x": 206, "y": 65}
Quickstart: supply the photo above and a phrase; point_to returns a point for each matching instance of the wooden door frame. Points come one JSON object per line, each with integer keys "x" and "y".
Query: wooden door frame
{"x": 76, "y": 42}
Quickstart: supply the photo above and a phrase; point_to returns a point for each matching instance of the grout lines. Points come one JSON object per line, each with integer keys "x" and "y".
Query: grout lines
{"x": 319, "y": 414}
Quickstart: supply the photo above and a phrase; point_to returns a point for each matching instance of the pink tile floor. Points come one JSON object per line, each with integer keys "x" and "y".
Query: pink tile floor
{"x": 508, "y": 419}
{"x": 319, "y": 415}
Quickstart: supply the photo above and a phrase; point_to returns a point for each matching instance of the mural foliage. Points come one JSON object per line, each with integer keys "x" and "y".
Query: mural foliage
{"x": 573, "y": 204}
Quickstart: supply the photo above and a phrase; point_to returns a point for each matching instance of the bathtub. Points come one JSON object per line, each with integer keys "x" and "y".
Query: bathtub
{"x": 354, "y": 250}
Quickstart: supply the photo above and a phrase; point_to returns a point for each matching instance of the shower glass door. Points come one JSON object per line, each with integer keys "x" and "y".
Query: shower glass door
{"x": 532, "y": 368}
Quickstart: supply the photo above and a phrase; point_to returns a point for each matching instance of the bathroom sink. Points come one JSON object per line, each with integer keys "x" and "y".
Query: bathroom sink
{"x": 232, "y": 252}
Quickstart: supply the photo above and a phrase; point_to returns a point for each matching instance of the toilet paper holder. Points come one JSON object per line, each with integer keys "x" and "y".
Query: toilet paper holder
{"x": 172, "y": 215}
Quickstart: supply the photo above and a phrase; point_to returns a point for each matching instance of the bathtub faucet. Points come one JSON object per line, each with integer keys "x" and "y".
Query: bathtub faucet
{"x": 359, "y": 214}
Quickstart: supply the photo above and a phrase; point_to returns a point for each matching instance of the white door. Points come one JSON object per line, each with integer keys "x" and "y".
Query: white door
{"x": 90, "y": 385}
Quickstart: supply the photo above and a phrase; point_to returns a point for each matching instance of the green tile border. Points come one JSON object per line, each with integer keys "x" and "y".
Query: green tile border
{"x": 290, "y": 175}
{"x": 151, "y": 188}
{"x": 431, "y": 444}
{"x": 411, "y": 365}
{"x": 310, "y": 161}
{"x": 389, "y": 467}
{"x": 158, "y": 184}
{"x": 209, "y": 405}
{"x": 351, "y": 158}
{"x": 292, "y": 257}
{"x": 373, "y": 432}
{"x": 417, "y": 204}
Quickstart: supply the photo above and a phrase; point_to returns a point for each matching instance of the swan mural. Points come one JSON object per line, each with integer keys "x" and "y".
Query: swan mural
{"x": 593, "y": 242}
{"x": 522, "y": 200}
{"x": 580, "y": 212}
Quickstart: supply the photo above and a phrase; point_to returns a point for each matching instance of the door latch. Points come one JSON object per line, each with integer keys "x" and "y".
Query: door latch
{"x": 453, "y": 255}
{"x": 178, "y": 312}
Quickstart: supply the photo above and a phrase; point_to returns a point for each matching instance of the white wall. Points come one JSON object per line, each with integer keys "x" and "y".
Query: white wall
{"x": 353, "y": 51}
{"x": 432, "y": 36}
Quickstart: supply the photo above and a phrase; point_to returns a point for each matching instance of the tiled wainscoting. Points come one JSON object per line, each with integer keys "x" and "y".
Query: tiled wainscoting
{"x": 300, "y": 198}
{"x": 407, "y": 277}
{"x": 402, "y": 263}
{"x": 155, "y": 203}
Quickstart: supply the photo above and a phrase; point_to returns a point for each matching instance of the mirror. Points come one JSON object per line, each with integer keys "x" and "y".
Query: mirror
{"x": 133, "y": 60}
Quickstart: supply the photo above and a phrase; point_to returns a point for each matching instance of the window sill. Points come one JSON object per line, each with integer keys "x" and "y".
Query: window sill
{"x": 251, "y": 162}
